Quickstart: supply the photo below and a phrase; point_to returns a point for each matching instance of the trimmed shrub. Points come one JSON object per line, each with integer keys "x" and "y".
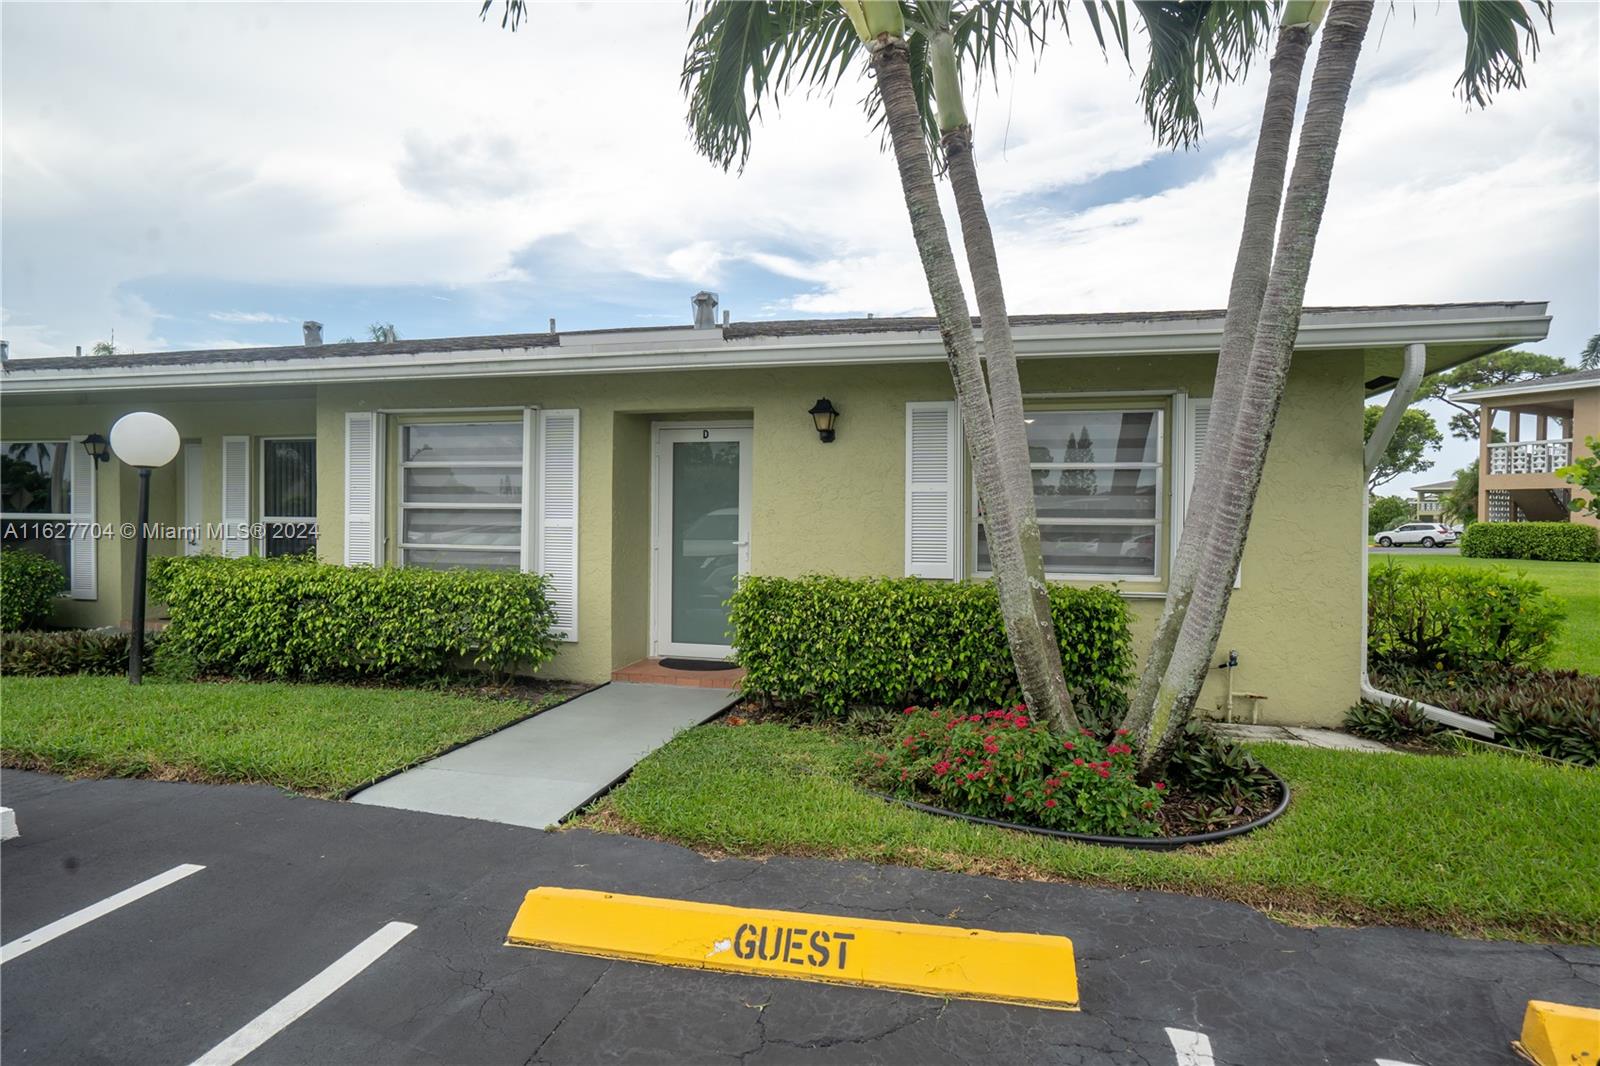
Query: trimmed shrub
{"x": 1567, "y": 542}
{"x": 71, "y": 651}
{"x": 1453, "y": 618}
{"x": 29, "y": 585}
{"x": 839, "y": 643}
{"x": 1002, "y": 764}
{"x": 294, "y": 617}
{"x": 1552, "y": 712}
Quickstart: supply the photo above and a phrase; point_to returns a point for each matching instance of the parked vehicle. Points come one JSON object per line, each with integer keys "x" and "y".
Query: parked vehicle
{"x": 1422, "y": 534}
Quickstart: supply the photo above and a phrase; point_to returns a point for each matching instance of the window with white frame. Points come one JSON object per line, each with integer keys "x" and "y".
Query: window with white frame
{"x": 288, "y": 496}
{"x": 461, "y": 486}
{"x": 1099, "y": 480}
{"x": 36, "y": 498}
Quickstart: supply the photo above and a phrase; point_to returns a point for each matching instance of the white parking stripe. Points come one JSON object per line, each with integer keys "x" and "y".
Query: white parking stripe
{"x": 1393, "y": 1062}
{"x": 1194, "y": 1049}
{"x": 279, "y": 1016}
{"x": 24, "y": 944}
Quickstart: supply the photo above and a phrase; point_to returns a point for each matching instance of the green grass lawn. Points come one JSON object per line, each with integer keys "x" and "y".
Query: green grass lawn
{"x": 1577, "y": 585}
{"x": 321, "y": 739}
{"x": 1476, "y": 844}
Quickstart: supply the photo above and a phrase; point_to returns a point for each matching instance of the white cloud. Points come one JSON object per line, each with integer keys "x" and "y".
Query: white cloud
{"x": 246, "y": 317}
{"x": 333, "y": 148}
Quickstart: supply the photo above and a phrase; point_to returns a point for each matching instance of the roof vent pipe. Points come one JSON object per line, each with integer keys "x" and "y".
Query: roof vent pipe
{"x": 705, "y": 310}
{"x": 552, "y": 325}
{"x": 312, "y": 331}
{"x": 727, "y": 317}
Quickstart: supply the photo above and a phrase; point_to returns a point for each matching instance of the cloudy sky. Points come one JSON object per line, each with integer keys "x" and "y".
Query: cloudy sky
{"x": 208, "y": 175}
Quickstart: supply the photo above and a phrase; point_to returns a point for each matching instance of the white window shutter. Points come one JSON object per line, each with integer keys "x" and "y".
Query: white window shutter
{"x": 235, "y": 496}
{"x": 558, "y": 515}
{"x": 361, "y": 445}
{"x": 933, "y": 462}
{"x": 81, "y": 557}
{"x": 1199, "y": 423}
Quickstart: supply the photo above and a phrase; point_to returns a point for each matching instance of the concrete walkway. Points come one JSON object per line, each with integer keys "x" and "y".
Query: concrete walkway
{"x": 537, "y": 772}
{"x": 1301, "y": 737}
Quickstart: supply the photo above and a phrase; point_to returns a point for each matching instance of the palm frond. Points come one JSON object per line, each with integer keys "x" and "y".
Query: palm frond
{"x": 1196, "y": 47}
{"x": 1496, "y": 32}
{"x": 741, "y": 54}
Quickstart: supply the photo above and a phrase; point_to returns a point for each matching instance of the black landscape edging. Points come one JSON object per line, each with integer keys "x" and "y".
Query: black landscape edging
{"x": 1138, "y": 843}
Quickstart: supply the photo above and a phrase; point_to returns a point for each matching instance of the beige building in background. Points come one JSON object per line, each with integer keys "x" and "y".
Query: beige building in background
{"x": 1428, "y": 505}
{"x": 644, "y": 470}
{"x": 1545, "y": 422}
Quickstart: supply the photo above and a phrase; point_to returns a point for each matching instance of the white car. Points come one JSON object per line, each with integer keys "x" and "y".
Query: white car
{"x": 1423, "y": 534}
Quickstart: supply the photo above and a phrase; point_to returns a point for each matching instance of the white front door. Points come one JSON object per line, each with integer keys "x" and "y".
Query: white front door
{"x": 701, "y": 540}
{"x": 192, "y": 468}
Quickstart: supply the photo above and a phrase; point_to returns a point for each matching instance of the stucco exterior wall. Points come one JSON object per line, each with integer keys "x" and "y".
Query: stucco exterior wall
{"x": 205, "y": 419}
{"x": 839, "y": 508}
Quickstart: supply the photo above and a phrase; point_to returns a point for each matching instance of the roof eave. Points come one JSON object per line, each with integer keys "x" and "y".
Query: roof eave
{"x": 1492, "y": 325}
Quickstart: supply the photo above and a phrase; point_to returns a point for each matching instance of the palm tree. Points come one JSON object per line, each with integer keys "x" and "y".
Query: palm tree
{"x": 1230, "y": 471}
{"x": 740, "y": 52}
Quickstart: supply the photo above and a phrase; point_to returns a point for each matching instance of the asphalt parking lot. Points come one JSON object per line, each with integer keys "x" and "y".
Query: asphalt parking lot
{"x": 320, "y": 932}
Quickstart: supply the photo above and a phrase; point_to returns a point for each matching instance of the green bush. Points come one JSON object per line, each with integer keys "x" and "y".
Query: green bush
{"x": 837, "y": 643}
{"x": 298, "y": 618}
{"x": 1552, "y": 712}
{"x": 1454, "y": 618}
{"x": 1567, "y": 542}
{"x": 1380, "y": 721}
{"x": 71, "y": 651}
{"x": 1002, "y": 764}
{"x": 29, "y": 585}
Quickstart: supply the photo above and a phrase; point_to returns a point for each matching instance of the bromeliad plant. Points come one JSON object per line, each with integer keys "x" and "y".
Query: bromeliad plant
{"x": 1004, "y": 764}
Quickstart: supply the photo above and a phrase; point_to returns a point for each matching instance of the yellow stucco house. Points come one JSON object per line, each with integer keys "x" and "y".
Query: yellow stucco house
{"x": 1429, "y": 503}
{"x": 644, "y": 470}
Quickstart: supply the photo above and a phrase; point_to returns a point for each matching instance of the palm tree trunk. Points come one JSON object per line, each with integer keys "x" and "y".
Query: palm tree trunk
{"x": 1030, "y": 651}
{"x": 1268, "y": 373}
{"x": 1005, "y": 389}
{"x": 1251, "y": 267}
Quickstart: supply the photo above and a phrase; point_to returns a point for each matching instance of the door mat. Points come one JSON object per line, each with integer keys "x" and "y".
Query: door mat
{"x": 699, "y": 664}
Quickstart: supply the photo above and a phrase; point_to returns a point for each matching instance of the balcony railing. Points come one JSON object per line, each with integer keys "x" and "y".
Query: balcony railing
{"x": 1529, "y": 456}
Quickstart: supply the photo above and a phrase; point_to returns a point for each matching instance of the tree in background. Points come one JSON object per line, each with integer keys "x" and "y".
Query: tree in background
{"x": 383, "y": 332}
{"x": 1589, "y": 358}
{"x": 1584, "y": 472}
{"x": 1460, "y": 504}
{"x": 103, "y": 348}
{"x": 1386, "y": 512}
{"x": 1415, "y": 436}
{"x": 1501, "y": 368}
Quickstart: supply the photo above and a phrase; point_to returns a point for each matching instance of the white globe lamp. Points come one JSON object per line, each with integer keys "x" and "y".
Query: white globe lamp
{"x": 143, "y": 440}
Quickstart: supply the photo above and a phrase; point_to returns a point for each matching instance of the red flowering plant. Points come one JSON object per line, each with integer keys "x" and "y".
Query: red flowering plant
{"x": 1003, "y": 764}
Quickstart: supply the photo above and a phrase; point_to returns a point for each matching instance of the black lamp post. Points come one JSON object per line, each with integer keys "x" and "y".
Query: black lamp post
{"x": 144, "y": 441}
{"x": 823, "y": 416}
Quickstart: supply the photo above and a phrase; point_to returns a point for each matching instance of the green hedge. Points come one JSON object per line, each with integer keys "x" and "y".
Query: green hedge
{"x": 836, "y": 643}
{"x": 72, "y": 651}
{"x": 29, "y": 585}
{"x": 1441, "y": 617}
{"x": 1567, "y": 542}
{"x": 298, "y": 618}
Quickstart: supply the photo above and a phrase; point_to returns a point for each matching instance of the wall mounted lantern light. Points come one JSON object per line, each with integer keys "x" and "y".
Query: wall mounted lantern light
{"x": 98, "y": 447}
{"x": 823, "y": 416}
{"x": 142, "y": 440}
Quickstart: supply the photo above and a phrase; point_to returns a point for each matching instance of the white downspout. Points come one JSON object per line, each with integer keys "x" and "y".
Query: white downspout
{"x": 1405, "y": 391}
